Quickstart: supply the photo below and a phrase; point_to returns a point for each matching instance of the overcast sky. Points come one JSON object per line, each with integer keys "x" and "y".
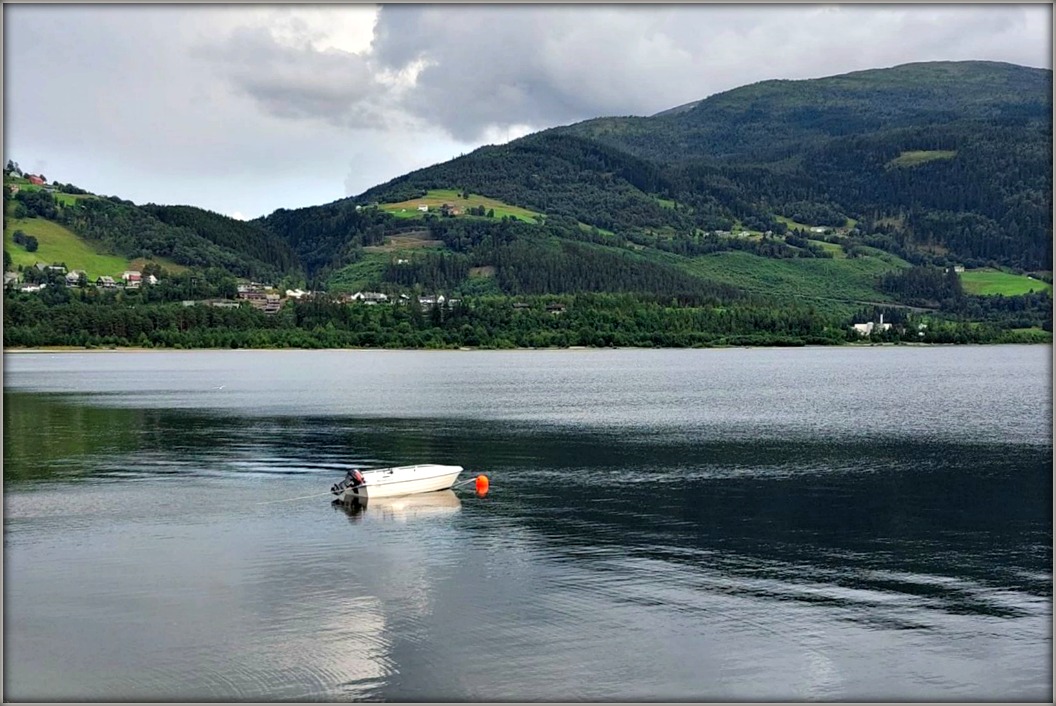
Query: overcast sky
{"x": 245, "y": 109}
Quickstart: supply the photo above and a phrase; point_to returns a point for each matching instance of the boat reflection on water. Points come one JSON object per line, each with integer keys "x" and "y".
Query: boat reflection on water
{"x": 401, "y": 509}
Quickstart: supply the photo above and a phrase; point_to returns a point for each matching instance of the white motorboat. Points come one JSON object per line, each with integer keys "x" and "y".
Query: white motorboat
{"x": 390, "y": 482}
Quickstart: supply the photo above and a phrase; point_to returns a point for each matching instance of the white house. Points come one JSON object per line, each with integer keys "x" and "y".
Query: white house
{"x": 370, "y": 297}
{"x": 867, "y": 328}
{"x": 432, "y": 301}
{"x": 423, "y": 208}
{"x": 863, "y": 329}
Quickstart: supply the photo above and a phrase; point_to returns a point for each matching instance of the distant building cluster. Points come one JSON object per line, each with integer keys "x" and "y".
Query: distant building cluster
{"x": 262, "y": 297}
{"x": 130, "y": 279}
{"x": 375, "y": 298}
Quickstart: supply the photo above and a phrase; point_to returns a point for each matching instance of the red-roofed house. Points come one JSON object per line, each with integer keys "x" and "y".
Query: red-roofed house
{"x": 34, "y": 179}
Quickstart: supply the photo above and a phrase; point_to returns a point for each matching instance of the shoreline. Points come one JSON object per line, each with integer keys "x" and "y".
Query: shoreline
{"x": 466, "y": 349}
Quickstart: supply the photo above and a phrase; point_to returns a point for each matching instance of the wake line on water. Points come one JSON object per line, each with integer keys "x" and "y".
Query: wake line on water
{"x": 286, "y": 500}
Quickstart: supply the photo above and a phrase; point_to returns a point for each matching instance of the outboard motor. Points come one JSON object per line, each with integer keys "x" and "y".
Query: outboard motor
{"x": 352, "y": 479}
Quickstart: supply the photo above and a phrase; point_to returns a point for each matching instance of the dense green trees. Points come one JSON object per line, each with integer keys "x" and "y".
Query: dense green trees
{"x": 106, "y": 318}
{"x": 256, "y": 244}
{"x": 328, "y": 236}
{"x": 924, "y": 286}
{"x": 29, "y": 242}
{"x": 100, "y": 319}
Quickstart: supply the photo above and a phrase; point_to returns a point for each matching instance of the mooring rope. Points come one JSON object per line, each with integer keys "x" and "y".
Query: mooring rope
{"x": 286, "y": 500}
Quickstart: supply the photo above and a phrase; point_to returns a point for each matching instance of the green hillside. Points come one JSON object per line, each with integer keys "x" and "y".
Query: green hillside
{"x": 58, "y": 244}
{"x": 97, "y": 233}
{"x": 835, "y": 283}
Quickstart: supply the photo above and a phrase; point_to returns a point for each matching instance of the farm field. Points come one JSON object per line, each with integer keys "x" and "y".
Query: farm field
{"x": 405, "y": 241}
{"x": 914, "y": 157}
{"x": 989, "y": 281}
{"x": 438, "y": 197}
{"x": 792, "y": 225}
{"x": 837, "y": 251}
{"x": 70, "y": 199}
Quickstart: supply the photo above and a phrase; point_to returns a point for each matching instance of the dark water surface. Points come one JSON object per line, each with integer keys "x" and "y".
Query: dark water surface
{"x": 827, "y": 524}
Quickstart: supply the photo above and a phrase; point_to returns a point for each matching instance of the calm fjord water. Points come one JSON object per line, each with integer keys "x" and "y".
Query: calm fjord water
{"x": 833, "y": 524}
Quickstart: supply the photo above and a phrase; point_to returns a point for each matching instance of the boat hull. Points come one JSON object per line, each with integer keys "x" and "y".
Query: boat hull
{"x": 401, "y": 480}
{"x": 402, "y": 508}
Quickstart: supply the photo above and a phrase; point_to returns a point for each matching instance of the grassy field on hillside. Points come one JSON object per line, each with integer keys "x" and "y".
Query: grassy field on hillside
{"x": 914, "y": 157}
{"x": 792, "y": 225}
{"x": 57, "y": 244}
{"x": 831, "y": 284}
{"x": 437, "y": 197}
{"x": 359, "y": 275}
{"x": 837, "y": 251}
{"x": 988, "y": 281}
{"x": 70, "y": 199}
{"x": 405, "y": 241}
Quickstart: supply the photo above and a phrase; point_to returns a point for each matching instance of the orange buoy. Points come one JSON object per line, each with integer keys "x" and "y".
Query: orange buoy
{"x": 482, "y": 484}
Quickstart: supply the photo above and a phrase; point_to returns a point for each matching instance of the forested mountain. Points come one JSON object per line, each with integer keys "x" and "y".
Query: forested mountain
{"x": 960, "y": 153}
{"x": 952, "y": 157}
{"x": 773, "y": 120}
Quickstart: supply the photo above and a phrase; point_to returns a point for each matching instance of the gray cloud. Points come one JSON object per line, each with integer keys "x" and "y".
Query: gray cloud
{"x": 549, "y": 65}
{"x": 301, "y": 81}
